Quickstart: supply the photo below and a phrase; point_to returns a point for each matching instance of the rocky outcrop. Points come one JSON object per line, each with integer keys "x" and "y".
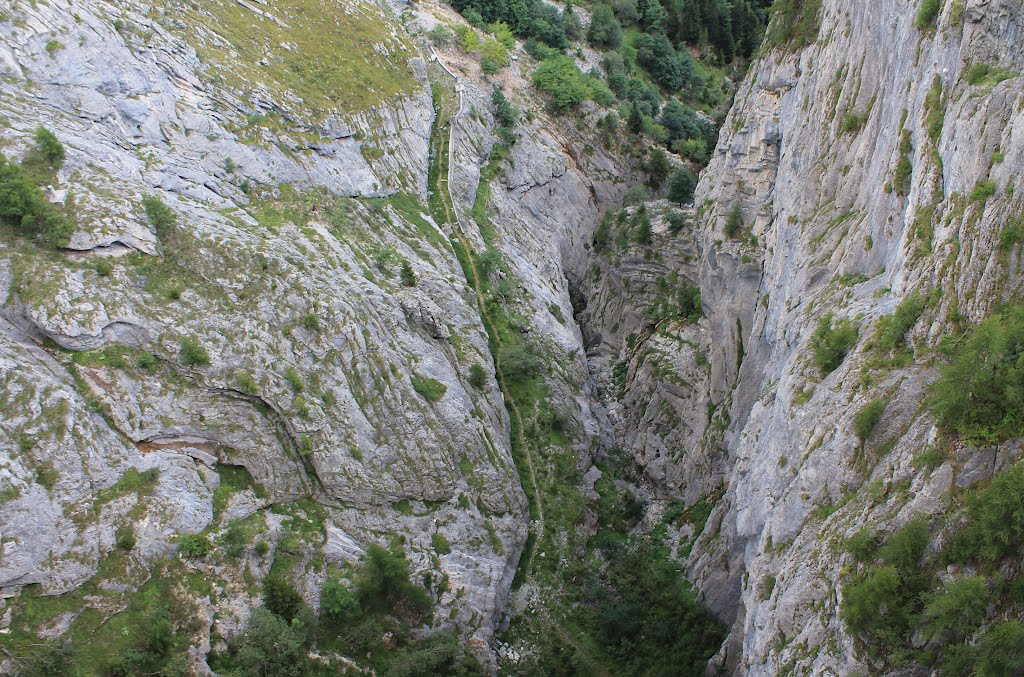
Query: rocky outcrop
{"x": 282, "y": 278}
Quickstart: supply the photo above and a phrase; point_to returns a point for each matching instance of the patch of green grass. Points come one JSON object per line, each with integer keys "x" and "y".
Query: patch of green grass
{"x": 927, "y": 14}
{"x": 866, "y": 420}
{"x": 831, "y": 341}
{"x": 440, "y": 544}
{"x": 983, "y": 191}
{"x": 429, "y": 389}
{"x": 132, "y": 481}
{"x": 332, "y": 55}
{"x": 794, "y": 23}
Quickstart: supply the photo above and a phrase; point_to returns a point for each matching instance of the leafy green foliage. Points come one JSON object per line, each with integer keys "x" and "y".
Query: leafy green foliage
{"x": 429, "y": 389}
{"x": 996, "y": 520}
{"x": 867, "y": 419}
{"x": 281, "y": 597}
{"x": 23, "y": 206}
{"x": 956, "y": 609}
{"x": 269, "y": 646}
{"x": 49, "y": 146}
{"x": 338, "y": 603}
{"x": 681, "y": 186}
{"x": 892, "y": 329}
{"x": 604, "y": 31}
{"x": 384, "y": 584}
{"x": 519, "y": 363}
{"x": 194, "y": 546}
{"x": 192, "y": 352}
{"x": 831, "y": 342}
{"x": 477, "y": 376}
{"x": 980, "y": 393}
{"x": 440, "y": 544}
{"x": 504, "y": 112}
{"x": 159, "y": 214}
{"x": 559, "y": 77}
{"x": 983, "y": 191}
{"x": 734, "y": 221}
{"x": 407, "y": 274}
{"x": 1001, "y": 650}
{"x": 927, "y": 14}
{"x": 794, "y": 23}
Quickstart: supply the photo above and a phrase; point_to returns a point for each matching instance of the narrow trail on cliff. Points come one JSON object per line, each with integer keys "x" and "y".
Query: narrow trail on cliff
{"x": 440, "y": 185}
{"x": 447, "y": 202}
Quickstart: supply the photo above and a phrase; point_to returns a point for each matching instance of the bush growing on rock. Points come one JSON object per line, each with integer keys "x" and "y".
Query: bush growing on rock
{"x": 681, "y": 186}
{"x": 429, "y": 389}
{"x": 408, "y": 275}
{"x": 49, "y": 146}
{"x": 867, "y": 418}
{"x": 980, "y": 393}
{"x": 831, "y": 341}
{"x": 24, "y": 206}
{"x": 477, "y": 376}
{"x": 194, "y": 546}
{"x": 384, "y": 584}
{"x": 269, "y": 646}
{"x": 192, "y": 353}
{"x": 518, "y": 363}
{"x": 281, "y": 597}
{"x": 159, "y": 214}
{"x": 338, "y": 604}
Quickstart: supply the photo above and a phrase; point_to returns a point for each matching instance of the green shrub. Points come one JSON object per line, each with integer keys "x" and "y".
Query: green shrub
{"x": 281, "y": 597}
{"x": 477, "y": 376}
{"x": 23, "y": 206}
{"x": 793, "y": 22}
{"x": 1012, "y": 235}
{"x": 246, "y": 383}
{"x": 927, "y": 14}
{"x": 996, "y": 520}
{"x": 269, "y": 646}
{"x": 983, "y": 191}
{"x": 635, "y": 195}
{"x": 429, "y": 389}
{"x": 677, "y": 221}
{"x": 408, "y": 275}
{"x": 384, "y": 584}
{"x": 681, "y": 186}
{"x": 294, "y": 379}
{"x": 863, "y": 545}
{"x": 234, "y": 540}
{"x": 194, "y": 546}
{"x": 957, "y": 610}
{"x": 192, "y": 352}
{"x": 559, "y": 77}
{"x": 867, "y": 418}
{"x": 49, "y": 146}
{"x": 734, "y": 222}
{"x": 980, "y": 392}
{"x": 519, "y": 363}
{"x": 1001, "y": 650}
{"x": 54, "y": 657}
{"x": 159, "y": 214}
{"x": 831, "y": 342}
{"x": 892, "y": 329}
{"x": 311, "y": 322}
{"x": 905, "y": 548}
{"x": 904, "y": 174}
{"x": 440, "y": 544}
{"x": 125, "y": 537}
{"x": 338, "y": 604}
{"x": 935, "y": 116}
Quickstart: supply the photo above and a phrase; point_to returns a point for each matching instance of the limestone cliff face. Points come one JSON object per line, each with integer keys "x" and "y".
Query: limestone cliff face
{"x": 316, "y": 417}
{"x": 289, "y": 286}
{"x": 809, "y": 155}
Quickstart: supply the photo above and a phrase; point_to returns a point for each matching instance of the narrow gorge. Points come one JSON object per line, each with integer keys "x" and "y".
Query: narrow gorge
{"x": 398, "y": 338}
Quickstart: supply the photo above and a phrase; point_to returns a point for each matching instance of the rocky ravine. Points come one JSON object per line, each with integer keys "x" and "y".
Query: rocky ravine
{"x": 293, "y": 290}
